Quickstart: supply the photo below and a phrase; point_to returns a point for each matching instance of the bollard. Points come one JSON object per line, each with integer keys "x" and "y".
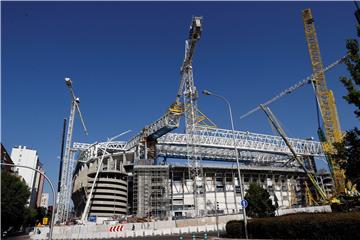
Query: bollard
{"x": 193, "y": 236}
{"x": 181, "y": 238}
{"x": 205, "y": 236}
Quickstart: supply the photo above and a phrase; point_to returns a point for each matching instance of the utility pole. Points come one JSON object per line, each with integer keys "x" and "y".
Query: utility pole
{"x": 208, "y": 93}
{"x": 51, "y": 225}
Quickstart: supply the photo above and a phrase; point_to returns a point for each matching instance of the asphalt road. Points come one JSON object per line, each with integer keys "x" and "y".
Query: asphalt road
{"x": 18, "y": 237}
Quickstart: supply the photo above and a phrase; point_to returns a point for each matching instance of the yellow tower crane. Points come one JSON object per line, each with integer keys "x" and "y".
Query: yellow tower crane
{"x": 326, "y": 102}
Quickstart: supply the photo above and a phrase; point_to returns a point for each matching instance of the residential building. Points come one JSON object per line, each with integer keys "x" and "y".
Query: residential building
{"x": 24, "y": 156}
{"x": 44, "y": 200}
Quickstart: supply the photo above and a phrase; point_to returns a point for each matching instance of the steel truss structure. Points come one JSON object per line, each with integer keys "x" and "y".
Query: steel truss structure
{"x": 216, "y": 144}
{"x": 245, "y": 141}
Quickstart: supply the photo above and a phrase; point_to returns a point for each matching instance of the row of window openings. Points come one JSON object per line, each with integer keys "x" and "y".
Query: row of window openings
{"x": 106, "y": 182}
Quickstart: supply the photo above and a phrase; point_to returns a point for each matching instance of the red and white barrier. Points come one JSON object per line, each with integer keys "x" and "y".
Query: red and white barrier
{"x": 117, "y": 228}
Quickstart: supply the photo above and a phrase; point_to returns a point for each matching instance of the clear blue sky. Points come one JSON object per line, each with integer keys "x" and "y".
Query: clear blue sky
{"x": 124, "y": 60}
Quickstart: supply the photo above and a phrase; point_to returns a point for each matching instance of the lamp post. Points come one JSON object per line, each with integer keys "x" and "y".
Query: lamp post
{"x": 53, "y": 191}
{"x": 208, "y": 93}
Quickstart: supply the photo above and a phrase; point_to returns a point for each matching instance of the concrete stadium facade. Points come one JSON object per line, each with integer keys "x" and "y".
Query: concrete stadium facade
{"x": 147, "y": 190}
{"x": 110, "y": 196}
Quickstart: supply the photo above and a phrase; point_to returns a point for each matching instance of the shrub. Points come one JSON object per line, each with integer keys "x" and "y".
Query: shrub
{"x": 235, "y": 228}
{"x": 304, "y": 226}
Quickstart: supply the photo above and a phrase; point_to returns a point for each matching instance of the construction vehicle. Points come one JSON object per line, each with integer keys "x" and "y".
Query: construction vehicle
{"x": 326, "y": 102}
{"x": 323, "y": 197}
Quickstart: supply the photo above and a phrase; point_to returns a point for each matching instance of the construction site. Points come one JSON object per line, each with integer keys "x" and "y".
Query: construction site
{"x": 199, "y": 171}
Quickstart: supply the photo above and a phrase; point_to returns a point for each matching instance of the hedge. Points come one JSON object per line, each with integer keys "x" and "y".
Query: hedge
{"x": 300, "y": 226}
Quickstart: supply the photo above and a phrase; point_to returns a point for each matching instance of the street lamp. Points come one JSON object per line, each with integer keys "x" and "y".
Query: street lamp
{"x": 51, "y": 226}
{"x": 208, "y": 93}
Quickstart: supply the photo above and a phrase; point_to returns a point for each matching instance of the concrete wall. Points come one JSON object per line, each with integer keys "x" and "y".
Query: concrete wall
{"x": 315, "y": 209}
{"x": 94, "y": 231}
{"x": 110, "y": 196}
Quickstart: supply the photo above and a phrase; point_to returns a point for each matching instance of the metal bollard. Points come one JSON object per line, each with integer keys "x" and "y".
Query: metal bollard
{"x": 181, "y": 238}
{"x": 193, "y": 236}
{"x": 205, "y": 236}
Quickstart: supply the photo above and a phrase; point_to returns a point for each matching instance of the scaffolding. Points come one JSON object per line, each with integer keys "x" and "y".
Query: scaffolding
{"x": 151, "y": 192}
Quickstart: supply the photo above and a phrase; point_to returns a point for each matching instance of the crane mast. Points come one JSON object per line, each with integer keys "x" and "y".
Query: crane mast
{"x": 188, "y": 90}
{"x": 63, "y": 209}
{"x": 185, "y": 104}
{"x": 326, "y": 101}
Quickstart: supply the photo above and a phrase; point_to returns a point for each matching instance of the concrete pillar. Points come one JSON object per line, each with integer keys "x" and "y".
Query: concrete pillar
{"x": 234, "y": 188}
{"x": 224, "y": 190}
{"x": 204, "y": 192}
{"x": 215, "y": 203}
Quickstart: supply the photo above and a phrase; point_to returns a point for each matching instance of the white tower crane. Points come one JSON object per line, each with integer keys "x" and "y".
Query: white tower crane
{"x": 62, "y": 212}
{"x": 188, "y": 90}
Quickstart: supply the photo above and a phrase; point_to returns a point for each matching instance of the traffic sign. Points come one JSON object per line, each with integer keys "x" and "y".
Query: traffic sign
{"x": 92, "y": 218}
{"x": 244, "y": 203}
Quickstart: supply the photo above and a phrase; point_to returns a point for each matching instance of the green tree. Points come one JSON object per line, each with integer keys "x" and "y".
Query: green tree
{"x": 348, "y": 155}
{"x": 41, "y": 212}
{"x": 348, "y": 151}
{"x": 14, "y": 196}
{"x": 260, "y": 204}
{"x": 29, "y": 217}
{"x": 352, "y": 83}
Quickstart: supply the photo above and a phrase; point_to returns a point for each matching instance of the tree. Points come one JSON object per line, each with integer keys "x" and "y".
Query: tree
{"x": 352, "y": 83}
{"x": 14, "y": 196}
{"x": 348, "y": 155}
{"x": 348, "y": 151}
{"x": 29, "y": 217}
{"x": 260, "y": 204}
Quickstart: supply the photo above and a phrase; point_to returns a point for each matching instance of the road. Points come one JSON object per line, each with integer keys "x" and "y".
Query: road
{"x": 21, "y": 236}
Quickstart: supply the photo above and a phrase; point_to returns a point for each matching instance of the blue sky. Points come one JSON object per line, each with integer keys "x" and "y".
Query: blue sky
{"x": 124, "y": 60}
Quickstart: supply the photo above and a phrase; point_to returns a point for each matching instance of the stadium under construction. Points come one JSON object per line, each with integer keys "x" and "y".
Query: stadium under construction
{"x": 161, "y": 174}
{"x": 162, "y": 189}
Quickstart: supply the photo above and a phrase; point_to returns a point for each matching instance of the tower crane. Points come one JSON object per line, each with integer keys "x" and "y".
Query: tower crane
{"x": 326, "y": 102}
{"x": 63, "y": 208}
{"x": 189, "y": 92}
{"x": 184, "y": 104}
{"x": 171, "y": 119}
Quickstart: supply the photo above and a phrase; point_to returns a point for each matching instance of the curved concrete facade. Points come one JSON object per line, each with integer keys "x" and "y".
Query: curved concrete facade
{"x": 110, "y": 195}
